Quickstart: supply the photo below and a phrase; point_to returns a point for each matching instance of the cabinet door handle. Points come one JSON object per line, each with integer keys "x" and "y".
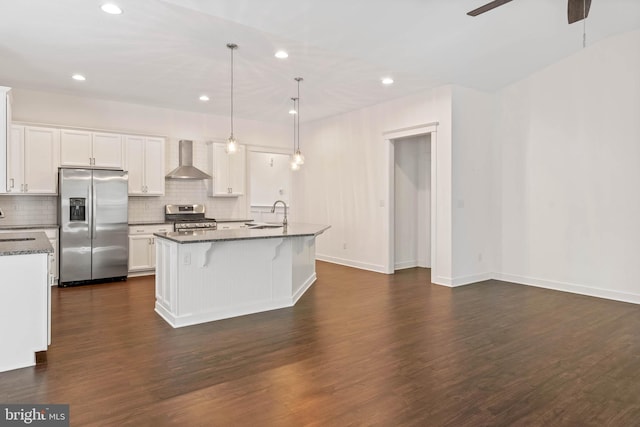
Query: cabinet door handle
{"x": 12, "y": 182}
{"x": 26, "y": 188}
{"x": 22, "y": 188}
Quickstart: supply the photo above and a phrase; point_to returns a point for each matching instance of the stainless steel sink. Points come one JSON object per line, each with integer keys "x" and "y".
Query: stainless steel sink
{"x": 18, "y": 239}
{"x": 263, "y": 226}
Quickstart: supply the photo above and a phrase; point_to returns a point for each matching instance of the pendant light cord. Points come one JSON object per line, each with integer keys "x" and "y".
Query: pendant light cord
{"x": 232, "y": 47}
{"x": 584, "y": 23}
{"x": 298, "y": 79}
{"x": 232, "y": 92}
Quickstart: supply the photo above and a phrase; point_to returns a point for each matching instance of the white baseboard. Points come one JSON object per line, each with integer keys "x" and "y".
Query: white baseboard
{"x": 471, "y": 279}
{"x": 406, "y": 264}
{"x": 307, "y": 284}
{"x": 141, "y": 273}
{"x": 569, "y": 287}
{"x": 351, "y": 263}
{"x": 442, "y": 281}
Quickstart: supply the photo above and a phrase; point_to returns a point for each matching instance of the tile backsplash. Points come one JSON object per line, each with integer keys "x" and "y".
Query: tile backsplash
{"x": 29, "y": 210}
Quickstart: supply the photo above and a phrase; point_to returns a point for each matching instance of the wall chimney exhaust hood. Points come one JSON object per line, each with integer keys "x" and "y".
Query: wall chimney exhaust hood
{"x": 185, "y": 169}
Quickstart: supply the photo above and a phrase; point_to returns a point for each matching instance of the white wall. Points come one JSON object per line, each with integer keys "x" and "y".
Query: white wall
{"x": 568, "y": 150}
{"x": 412, "y": 202}
{"x": 473, "y": 218}
{"x": 344, "y": 181}
{"x": 64, "y": 110}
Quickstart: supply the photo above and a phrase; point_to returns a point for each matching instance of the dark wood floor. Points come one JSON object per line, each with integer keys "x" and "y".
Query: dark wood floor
{"x": 359, "y": 348}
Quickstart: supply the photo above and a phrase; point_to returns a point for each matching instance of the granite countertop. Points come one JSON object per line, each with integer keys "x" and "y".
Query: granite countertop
{"x": 161, "y": 222}
{"x": 202, "y": 236}
{"x": 28, "y": 226}
{"x": 15, "y": 244}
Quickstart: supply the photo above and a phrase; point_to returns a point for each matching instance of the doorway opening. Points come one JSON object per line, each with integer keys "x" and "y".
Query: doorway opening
{"x": 412, "y": 222}
{"x": 412, "y": 202}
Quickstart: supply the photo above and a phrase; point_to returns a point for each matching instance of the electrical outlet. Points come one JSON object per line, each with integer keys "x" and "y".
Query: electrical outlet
{"x": 480, "y": 257}
{"x": 344, "y": 245}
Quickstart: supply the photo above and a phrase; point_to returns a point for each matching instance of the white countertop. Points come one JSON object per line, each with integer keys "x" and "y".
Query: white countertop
{"x": 200, "y": 236}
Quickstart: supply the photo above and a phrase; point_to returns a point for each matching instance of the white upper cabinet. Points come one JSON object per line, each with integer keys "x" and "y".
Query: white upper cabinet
{"x": 32, "y": 163}
{"x": 5, "y": 134}
{"x": 107, "y": 150}
{"x": 90, "y": 149}
{"x": 229, "y": 171}
{"x": 145, "y": 164}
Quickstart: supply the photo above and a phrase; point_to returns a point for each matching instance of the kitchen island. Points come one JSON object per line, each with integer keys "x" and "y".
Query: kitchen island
{"x": 24, "y": 298}
{"x": 209, "y": 275}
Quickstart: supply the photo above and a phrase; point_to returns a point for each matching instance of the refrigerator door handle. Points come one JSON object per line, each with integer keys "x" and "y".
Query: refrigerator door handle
{"x": 93, "y": 211}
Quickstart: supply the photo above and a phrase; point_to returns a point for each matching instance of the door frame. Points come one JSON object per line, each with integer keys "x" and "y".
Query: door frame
{"x": 389, "y": 140}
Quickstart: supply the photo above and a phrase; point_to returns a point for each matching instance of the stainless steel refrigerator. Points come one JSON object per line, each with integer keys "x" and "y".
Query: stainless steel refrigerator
{"x": 93, "y": 219}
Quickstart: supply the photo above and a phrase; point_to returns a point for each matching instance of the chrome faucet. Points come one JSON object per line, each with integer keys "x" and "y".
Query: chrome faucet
{"x": 273, "y": 209}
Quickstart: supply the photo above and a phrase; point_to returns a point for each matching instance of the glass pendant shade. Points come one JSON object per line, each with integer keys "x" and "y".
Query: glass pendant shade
{"x": 298, "y": 157}
{"x": 294, "y": 166}
{"x": 232, "y": 145}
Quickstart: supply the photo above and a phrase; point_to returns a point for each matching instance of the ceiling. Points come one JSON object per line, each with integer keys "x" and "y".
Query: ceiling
{"x": 167, "y": 53}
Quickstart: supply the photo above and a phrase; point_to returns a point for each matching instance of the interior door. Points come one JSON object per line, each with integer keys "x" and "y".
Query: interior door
{"x": 110, "y": 227}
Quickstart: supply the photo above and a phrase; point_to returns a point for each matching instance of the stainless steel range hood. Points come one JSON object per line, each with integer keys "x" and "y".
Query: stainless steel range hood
{"x": 185, "y": 169}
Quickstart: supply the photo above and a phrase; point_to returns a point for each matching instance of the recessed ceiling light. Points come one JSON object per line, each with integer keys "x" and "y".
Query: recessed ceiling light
{"x": 79, "y": 77}
{"x": 281, "y": 54}
{"x": 293, "y": 112}
{"x": 204, "y": 98}
{"x": 111, "y": 9}
{"x": 387, "y": 81}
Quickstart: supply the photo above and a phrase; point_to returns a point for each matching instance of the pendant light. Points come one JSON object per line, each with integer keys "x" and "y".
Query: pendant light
{"x": 232, "y": 145}
{"x": 297, "y": 156}
{"x": 294, "y": 166}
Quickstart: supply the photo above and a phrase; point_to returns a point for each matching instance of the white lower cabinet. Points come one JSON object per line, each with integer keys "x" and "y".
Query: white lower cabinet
{"x": 142, "y": 248}
{"x": 52, "y": 234}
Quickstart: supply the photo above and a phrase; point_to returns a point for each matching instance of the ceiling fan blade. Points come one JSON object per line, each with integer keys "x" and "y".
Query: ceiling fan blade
{"x": 577, "y": 10}
{"x": 487, "y": 7}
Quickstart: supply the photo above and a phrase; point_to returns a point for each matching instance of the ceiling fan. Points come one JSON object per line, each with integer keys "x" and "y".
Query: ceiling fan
{"x": 577, "y": 10}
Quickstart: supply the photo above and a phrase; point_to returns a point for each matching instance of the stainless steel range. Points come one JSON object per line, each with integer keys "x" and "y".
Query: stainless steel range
{"x": 188, "y": 217}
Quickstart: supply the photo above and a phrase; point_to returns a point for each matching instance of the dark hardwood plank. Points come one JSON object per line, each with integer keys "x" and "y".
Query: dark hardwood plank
{"x": 360, "y": 348}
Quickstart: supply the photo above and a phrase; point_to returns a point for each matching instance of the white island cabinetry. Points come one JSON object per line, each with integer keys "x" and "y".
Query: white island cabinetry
{"x": 25, "y": 316}
{"x": 203, "y": 276}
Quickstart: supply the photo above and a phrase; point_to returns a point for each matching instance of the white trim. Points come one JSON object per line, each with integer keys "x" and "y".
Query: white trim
{"x": 441, "y": 281}
{"x": 307, "y": 284}
{"x": 351, "y": 263}
{"x": 389, "y": 236}
{"x": 406, "y": 264}
{"x": 471, "y": 279}
{"x": 569, "y": 287}
{"x": 411, "y": 131}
